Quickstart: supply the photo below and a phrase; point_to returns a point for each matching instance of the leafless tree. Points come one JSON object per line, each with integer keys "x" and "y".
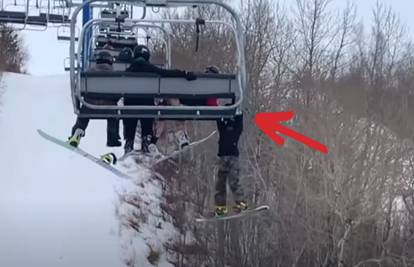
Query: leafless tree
{"x": 351, "y": 90}
{"x": 12, "y": 53}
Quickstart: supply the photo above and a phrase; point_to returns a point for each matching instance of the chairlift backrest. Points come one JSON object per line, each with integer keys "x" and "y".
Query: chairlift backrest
{"x": 117, "y": 43}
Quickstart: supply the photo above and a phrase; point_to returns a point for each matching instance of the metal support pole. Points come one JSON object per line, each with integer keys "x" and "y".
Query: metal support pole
{"x": 86, "y": 16}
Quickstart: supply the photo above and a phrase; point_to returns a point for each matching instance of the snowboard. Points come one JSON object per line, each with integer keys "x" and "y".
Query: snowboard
{"x": 82, "y": 153}
{"x": 184, "y": 149}
{"x": 242, "y": 214}
{"x": 148, "y": 161}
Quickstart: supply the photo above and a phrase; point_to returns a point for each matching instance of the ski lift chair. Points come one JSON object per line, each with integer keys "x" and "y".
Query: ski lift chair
{"x": 22, "y": 18}
{"x": 12, "y": 16}
{"x": 85, "y": 84}
{"x": 149, "y": 85}
{"x": 56, "y": 18}
{"x": 112, "y": 14}
{"x": 17, "y": 15}
{"x": 31, "y": 15}
{"x": 63, "y": 33}
{"x": 117, "y": 43}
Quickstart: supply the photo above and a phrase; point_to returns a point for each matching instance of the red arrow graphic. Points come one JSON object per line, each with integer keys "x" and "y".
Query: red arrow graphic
{"x": 269, "y": 123}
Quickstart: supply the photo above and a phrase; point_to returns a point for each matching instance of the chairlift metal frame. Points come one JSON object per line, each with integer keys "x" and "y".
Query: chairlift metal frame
{"x": 32, "y": 22}
{"x": 14, "y": 20}
{"x": 191, "y": 112}
{"x": 62, "y": 37}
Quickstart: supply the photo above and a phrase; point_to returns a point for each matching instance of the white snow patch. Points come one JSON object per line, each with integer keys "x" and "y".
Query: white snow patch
{"x": 58, "y": 208}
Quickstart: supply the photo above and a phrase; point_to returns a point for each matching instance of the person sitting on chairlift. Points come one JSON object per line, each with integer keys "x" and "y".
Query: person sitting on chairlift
{"x": 104, "y": 61}
{"x": 108, "y": 45}
{"x": 148, "y": 139}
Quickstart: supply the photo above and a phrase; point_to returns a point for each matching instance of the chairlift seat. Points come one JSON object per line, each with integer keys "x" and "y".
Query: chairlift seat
{"x": 116, "y": 43}
{"x": 149, "y": 85}
{"x": 12, "y": 16}
{"x": 115, "y": 40}
{"x": 21, "y": 18}
{"x": 56, "y": 18}
{"x": 109, "y": 14}
{"x": 36, "y": 20}
{"x": 144, "y": 84}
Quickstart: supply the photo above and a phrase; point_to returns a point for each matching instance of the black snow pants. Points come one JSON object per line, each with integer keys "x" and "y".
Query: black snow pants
{"x": 112, "y": 129}
{"x": 130, "y": 124}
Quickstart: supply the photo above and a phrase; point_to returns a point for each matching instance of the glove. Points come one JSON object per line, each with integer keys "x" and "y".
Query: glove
{"x": 190, "y": 76}
{"x": 234, "y": 125}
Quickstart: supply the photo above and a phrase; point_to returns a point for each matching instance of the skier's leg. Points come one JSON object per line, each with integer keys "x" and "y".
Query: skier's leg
{"x": 146, "y": 128}
{"x": 112, "y": 132}
{"x": 221, "y": 194}
{"x": 130, "y": 126}
{"x": 179, "y": 129}
{"x": 116, "y": 127}
{"x": 78, "y": 131}
{"x": 181, "y": 135}
{"x": 148, "y": 142}
{"x": 81, "y": 123}
{"x": 147, "y": 133}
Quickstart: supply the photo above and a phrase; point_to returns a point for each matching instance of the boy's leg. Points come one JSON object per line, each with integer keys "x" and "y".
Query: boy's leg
{"x": 130, "y": 126}
{"x": 112, "y": 132}
{"x": 81, "y": 123}
{"x": 220, "y": 198}
{"x": 181, "y": 136}
{"x": 180, "y": 131}
{"x": 146, "y": 127}
{"x": 78, "y": 131}
{"x": 221, "y": 194}
{"x": 235, "y": 183}
{"x": 147, "y": 134}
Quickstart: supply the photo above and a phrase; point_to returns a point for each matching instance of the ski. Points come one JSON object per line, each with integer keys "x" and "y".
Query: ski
{"x": 247, "y": 212}
{"x": 83, "y": 153}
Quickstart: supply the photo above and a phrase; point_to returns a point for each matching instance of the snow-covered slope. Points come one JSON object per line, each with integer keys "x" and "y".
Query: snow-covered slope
{"x": 57, "y": 208}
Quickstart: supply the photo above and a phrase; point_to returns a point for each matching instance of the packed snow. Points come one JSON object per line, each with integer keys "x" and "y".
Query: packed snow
{"x": 58, "y": 208}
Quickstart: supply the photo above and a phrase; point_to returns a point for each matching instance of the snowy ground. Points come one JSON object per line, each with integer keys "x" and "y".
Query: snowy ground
{"x": 57, "y": 208}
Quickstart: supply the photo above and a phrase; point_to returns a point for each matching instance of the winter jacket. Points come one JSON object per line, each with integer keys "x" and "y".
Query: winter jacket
{"x": 141, "y": 65}
{"x": 229, "y": 134}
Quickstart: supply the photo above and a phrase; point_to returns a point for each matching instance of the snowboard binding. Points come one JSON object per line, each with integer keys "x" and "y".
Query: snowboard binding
{"x": 109, "y": 158}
